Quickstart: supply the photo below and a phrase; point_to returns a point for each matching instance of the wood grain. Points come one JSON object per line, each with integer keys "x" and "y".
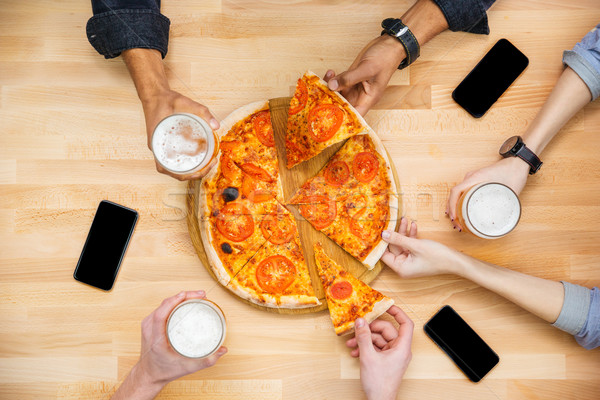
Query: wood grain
{"x": 72, "y": 133}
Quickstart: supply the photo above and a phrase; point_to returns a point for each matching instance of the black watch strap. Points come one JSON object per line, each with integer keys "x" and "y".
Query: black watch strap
{"x": 530, "y": 158}
{"x": 394, "y": 27}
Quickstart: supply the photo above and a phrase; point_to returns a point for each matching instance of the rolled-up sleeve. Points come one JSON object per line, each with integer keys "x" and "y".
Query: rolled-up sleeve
{"x": 584, "y": 59}
{"x": 580, "y": 314}
{"x": 466, "y": 15}
{"x": 119, "y": 25}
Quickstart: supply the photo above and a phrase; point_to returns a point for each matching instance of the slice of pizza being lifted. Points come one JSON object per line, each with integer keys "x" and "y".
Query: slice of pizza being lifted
{"x": 348, "y": 298}
{"x": 317, "y": 118}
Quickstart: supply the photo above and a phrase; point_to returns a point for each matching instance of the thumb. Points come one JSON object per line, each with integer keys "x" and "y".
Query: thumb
{"x": 405, "y": 242}
{"x": 362, "y": 332}
{"x": 351, "y": 77}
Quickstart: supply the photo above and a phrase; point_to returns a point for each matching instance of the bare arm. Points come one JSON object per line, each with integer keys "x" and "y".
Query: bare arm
{"x": 158, "y": 100}
{"x": 410, "y": 257}
{"x": 570, "y": 94}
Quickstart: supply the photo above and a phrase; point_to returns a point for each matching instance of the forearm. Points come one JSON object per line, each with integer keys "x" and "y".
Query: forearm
{"x": 147, "y": 72}
{"x": 541, "y": 297}
{"x": 570, "y": 94}
{"x": 137, "y": 386}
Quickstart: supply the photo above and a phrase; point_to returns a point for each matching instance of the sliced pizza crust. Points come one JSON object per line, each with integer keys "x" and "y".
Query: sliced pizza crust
{"x": 318, "y": 117}
{"x": 348, "y": 298}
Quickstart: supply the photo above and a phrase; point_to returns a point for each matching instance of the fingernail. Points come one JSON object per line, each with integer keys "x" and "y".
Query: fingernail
{"x": 214, "y": 123}
{"x": 452, "y": 219}
{"x": 446, "y": 212}
{"x": 459, "y": 229}
{"x": 180, "y": 295}
{"x": 333, "y": 84}
{"x": 201, "y": 292}
{"x": 328, "y": 74}
{"x": 386, "y": 235}
{"x": 453, "y": 227}
{"x": 359, "y": 323}
{"x": 221, "y": 351}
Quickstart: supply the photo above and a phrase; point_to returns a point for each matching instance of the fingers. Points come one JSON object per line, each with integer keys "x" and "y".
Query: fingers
{"x": 347, "y": 79}
{"x": 406, "y": 328}
{"x": 363, "y": 337}
{"x": 413, "y": 230}
{"x": 384, "y": 328}
{"x": 212, "y": 360}
{"x": 162, "y": 312}
{"x": 398, "y": 239}
{"x": 455, "y": 194}
{"x": 204, "y": 113}
{"x": 328, "y": 75}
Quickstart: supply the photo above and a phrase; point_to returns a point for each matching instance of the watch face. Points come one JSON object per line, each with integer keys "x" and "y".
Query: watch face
{"x": 509, "y": 144}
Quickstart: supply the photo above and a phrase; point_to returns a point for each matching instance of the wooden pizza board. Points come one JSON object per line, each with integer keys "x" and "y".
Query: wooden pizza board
{"x": 292, "y": 179}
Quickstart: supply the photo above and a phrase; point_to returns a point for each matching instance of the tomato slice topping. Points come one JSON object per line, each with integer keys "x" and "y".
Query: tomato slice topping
{"x": 337, "y": 173}
{"x": 229, "y": 169}
{"x": 235, "y": 222}
{"x": 300, "y": 97}
{"x": 324, "y": 121}
{"x": 365, "y": 166}
{"x": 228, "y": 147}
{"x": 341, "y": 290}
{"x": 254, "y": 194}
{"x": 263, "y": 128}
{"x": 320, "y": 212}
{"x": 277, "y": 229}
{"x": 274, "y": 274}
{"x": 365, "y": 226}
{"x": 355, "y": 203}
{"x": 256, "y": 172}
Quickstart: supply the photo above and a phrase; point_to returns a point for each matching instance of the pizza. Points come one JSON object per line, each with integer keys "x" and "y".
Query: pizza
{"x": 317, "y": 118}
{"x": 348, "y": 298}
{"x": 242, "y": 220}
{"x": 352, "y": 199}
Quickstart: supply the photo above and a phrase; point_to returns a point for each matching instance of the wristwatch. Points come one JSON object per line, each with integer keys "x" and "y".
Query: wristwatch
{"x": 515, "y": 147}
{"x": 394, "y": 27}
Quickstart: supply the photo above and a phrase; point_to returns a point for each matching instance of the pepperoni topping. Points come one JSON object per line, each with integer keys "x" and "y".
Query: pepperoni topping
{"x": 263, "y": 128}
{"x": 274, "y": 274}
{"x": 337, "y": 173}
{"x": 320, "y": 212}
{"x": 324, "y": 121}
{"x": 365, "y": 166}
{"x": 341, "y": 290}
{"x": 235, "y": 222}
{"x": 277, "y": 229}
{"x": 300, "y": 97}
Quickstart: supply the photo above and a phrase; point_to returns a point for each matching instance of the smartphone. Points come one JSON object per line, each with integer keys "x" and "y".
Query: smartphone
{"x": 496, "y": 71}
{"x": 462, "y": 344}
{"x": 105, "y": 245}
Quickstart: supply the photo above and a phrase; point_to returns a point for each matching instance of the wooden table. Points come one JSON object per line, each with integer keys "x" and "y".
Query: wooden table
{"x": 72, "y": 134}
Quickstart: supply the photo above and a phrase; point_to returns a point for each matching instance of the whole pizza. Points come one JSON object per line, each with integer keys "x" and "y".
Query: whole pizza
{"x": 251, "y": 238}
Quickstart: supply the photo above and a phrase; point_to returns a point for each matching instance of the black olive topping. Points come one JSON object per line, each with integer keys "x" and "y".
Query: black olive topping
{"x": 226, "y": 247}
{"x": 230, "y": 194}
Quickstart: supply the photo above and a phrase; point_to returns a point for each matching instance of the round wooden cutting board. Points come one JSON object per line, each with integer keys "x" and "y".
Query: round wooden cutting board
{"x": 292, "y": 179}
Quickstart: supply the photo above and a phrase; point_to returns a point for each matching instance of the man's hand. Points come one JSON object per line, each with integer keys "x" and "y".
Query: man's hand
{"x": 365, "y": 81}
{"x": 410, "y": 257}
{"x": 384, "y": 353}
{"x": 163, "y": 104}
{"x": 512, "y": 172}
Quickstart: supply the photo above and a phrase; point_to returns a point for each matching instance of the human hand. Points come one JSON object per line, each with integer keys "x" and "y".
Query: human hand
{"x": 365, "y": 81}
{"x": 158, "y": 362}
{"x": 168, "y": 102}
{"x": 410, "y": 257}
{"x": 384, "y": 353}
{"x": 512, "y": 172}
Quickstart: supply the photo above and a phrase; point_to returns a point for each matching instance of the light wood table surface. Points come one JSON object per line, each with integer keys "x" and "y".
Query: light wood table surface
{"x": 72, "y": 134}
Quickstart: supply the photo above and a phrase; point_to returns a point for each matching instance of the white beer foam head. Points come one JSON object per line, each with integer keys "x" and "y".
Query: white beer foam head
{"x": 493, "y": 209}
{"x": 195, "y": 329}
{"x": 181, "y": 142}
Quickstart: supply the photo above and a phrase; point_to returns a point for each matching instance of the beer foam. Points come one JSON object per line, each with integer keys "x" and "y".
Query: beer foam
{"x": 180, "y": 143}
{"x": 195, "y": 329}
{"x": 493, "y": 209}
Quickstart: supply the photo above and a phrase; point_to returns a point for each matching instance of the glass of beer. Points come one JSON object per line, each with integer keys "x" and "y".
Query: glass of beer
{"x": 184, "y": 143}
{"x": 489, "y": 210}
{"x": 196, "y": 328}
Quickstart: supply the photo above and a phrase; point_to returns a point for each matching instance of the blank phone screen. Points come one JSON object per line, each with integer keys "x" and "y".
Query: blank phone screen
{"x": 105, "y": 245}
{"x": 453, "y": 335}
{"x": 496, "y": 71}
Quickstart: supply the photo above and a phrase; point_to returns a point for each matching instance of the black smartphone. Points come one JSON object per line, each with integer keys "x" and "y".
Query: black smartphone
{"x": 462, "y": 344}
{"x": 105, "y": 245}
{"x": 496, "y": 71}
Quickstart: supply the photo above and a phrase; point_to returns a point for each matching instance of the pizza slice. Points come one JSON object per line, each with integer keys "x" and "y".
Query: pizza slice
{"x": 277, "y": 275}
{"x": 317, "y": 118}
{"x": 348, "y": 298}
{"x": 352, "y": 199}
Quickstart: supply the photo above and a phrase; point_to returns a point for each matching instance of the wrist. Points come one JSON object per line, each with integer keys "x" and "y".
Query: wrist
{"x": 395, "y": 49}
{"x": 145, "y": 379}
{"x": 147, "y": 72}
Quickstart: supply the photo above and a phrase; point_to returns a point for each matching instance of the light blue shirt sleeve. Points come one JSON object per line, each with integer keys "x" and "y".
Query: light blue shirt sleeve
{"x": 584, "y": 59}
{"x": 580, "y": 314}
